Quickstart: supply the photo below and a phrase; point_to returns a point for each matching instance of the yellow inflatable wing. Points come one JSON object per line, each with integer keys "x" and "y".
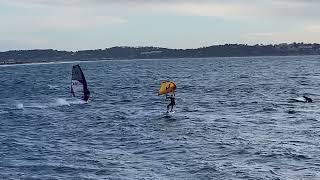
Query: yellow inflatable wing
{"x": 167, "y": 87}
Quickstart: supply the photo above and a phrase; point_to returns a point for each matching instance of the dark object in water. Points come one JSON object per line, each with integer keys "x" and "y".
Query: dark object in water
{"x": 79, "y": 83}
{"x": 309, "y": 100}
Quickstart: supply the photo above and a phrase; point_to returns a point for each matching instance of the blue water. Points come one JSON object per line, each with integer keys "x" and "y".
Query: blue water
{"x": 234, "y": 120}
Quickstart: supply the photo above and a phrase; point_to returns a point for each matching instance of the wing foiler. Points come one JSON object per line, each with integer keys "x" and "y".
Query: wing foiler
{"x": 167, "y": 87}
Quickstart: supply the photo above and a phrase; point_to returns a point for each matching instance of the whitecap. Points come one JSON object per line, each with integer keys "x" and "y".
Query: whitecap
{"x": 37, "y": 106}
{"x": 55, "y": 87}
{"x": 61, "y": 102}
{"x": 19, "y": 106}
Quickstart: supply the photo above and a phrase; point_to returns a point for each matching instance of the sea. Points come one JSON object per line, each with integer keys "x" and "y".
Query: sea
{"x": 235, "y": 118}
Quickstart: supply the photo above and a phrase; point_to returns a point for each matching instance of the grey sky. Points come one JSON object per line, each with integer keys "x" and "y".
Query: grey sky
{"x": 89, "y": 24}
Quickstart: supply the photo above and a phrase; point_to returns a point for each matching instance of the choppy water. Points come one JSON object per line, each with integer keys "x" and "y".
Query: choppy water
{"x": 234, "y": 120}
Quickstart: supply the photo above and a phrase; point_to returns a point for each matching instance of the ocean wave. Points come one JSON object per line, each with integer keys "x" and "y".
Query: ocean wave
{"x": 44, "y": 105}
{"x": 54, "y": 87}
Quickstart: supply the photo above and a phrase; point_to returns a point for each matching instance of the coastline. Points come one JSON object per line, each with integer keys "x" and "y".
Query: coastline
{"x": 133, "y": 53}
{"x": 137, "y": 59}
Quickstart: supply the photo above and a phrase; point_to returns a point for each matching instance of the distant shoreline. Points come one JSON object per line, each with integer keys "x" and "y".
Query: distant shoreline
{"x": 89, "y": 61}
{"x": 132, "y": 53}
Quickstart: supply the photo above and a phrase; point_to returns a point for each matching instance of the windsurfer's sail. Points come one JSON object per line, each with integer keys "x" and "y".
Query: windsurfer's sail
{"x": 79, "y": 85}
{"x": 167, "y": 87}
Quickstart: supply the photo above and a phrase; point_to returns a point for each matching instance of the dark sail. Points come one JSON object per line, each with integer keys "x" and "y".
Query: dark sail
{"x": 79, "y": 85}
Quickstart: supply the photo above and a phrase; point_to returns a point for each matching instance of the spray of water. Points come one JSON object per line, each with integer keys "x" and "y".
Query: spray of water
{"x": 61, "y": 102}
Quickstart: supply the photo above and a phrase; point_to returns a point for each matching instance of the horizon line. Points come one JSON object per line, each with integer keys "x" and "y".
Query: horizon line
{"x": 245, "y": 44}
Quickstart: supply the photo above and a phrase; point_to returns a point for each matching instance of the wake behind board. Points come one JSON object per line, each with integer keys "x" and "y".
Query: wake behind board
{"x": 169, "y": 114}
{"x": 298, "y": 99}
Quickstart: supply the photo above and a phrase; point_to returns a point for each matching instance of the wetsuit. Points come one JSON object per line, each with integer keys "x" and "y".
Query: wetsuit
{"x": 309, "y": 100}
{"x": 86, "y": 96}
{"x": 172, "y": 103}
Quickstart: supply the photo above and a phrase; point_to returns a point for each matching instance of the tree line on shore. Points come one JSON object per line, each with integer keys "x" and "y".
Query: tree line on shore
{"x": 124, "y": 52}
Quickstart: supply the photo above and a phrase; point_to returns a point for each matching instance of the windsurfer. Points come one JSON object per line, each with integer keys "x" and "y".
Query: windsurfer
{"x": 79, "y": 84}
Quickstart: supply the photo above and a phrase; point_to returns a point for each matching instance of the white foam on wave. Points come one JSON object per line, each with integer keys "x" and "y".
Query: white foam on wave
{"x": 55, "y": 103}
{"x": 61, "y": 102}
{"x": 19, "y": 106}
{"x": 65, "y": 102}
{"x": 78, "y": 101}
{"x": 37, "y": 105}
{"x": 53, "y": 87}
{"x": 31, "y": 105}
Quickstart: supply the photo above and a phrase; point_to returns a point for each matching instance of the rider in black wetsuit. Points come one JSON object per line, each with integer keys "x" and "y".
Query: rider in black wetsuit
{"x": 309, "y": 100}
{"x": 86, "y": 96}
{"x": 172, "y": 102}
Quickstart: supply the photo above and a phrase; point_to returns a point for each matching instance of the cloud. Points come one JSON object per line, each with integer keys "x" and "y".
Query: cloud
{"x": 260, "y": 35}
{"x": 314, "y": 28}
{"x": 280, "y": 37}
{"x": 31, "y": 16}
{"x": 34, "y": 25}
{"x": 228, "y": 9}
{"x": 260, "y": 21}
{"x": 220, "y": 10}
{"x": 263, "y": 9}
{"x": 58, "y": 22}
{"x": 21, "y": 42}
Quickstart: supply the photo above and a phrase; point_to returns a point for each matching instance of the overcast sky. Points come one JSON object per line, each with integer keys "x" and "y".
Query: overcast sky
{"x": 97, "y": 24}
